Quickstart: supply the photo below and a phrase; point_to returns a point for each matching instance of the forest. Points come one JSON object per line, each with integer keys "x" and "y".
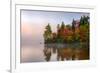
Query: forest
{"x": 77, "y": 31}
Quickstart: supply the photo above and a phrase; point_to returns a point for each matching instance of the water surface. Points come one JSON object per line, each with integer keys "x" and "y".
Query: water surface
{"x": 54, "y": 52}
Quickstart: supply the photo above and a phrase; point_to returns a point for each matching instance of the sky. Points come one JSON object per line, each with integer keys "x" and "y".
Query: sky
{"x": 33, "y": 23}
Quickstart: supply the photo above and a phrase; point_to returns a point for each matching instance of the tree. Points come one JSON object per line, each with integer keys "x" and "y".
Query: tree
{"x": 73, "y": 25}
{"x": 62, "y": 25}
{"x": 81, "y": 21}
{"x": 48, "y": 28}
{"x": 68, "y": 27}
{"x": 84, "y": 29}
{"x": 58, "y": 26}
{"x": 84, "y": 20}
{"x": 48, "y": 33}
{"x": 84, "y": 33}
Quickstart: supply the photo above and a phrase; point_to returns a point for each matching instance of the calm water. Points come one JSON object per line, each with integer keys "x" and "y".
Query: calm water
{"x": 54, "y": 52}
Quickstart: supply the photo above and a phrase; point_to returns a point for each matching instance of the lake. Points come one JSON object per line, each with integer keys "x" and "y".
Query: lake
{"x": 54, "y": 52}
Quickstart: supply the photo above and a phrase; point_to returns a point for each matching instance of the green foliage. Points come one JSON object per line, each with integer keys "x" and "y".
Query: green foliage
{"x": 48, "y": 33}
{"x": 84, "y": 20}
{"x": 68, "y": 27}
{"x": 84, "y": 32}
{"x": 48, "y": 29}
{"x": 69, "y": 39}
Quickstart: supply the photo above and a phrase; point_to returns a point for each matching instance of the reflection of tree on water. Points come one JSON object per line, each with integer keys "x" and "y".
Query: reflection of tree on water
{"x": 48, "y": 50}
{"x": 66, "y": 52}
{"x": 47, "y": 53}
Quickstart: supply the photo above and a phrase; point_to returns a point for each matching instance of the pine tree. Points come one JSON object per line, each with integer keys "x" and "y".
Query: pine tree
{"x": 48, "y": 33}
{"x": 73, "y": 25}
{"x": 62, "y": 25}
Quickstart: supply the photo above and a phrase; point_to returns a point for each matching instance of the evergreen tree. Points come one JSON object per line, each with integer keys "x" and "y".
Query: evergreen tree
{"x": 81, "y": 21}
{"x": 73, "y": 25}
{"x": 84, "y": 20}
{"x": 62, "y": 25}
{"x": 58, "y": 26}
{"x": 48, "y": 33}
{"x": 48, "y": 28}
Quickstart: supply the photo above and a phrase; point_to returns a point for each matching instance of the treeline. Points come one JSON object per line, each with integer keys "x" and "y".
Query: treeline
{"x": 78, "y": 31}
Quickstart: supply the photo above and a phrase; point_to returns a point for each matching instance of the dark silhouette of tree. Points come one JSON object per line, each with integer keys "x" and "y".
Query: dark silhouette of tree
{"x": 62, "y": 25}
{"x": 73, "y": 25}
{"x": 84, "y": 20}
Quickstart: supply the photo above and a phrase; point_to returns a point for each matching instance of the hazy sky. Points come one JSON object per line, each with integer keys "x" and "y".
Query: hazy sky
{"x": 34, "y": 22}
{"x": 50, "y": 17}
